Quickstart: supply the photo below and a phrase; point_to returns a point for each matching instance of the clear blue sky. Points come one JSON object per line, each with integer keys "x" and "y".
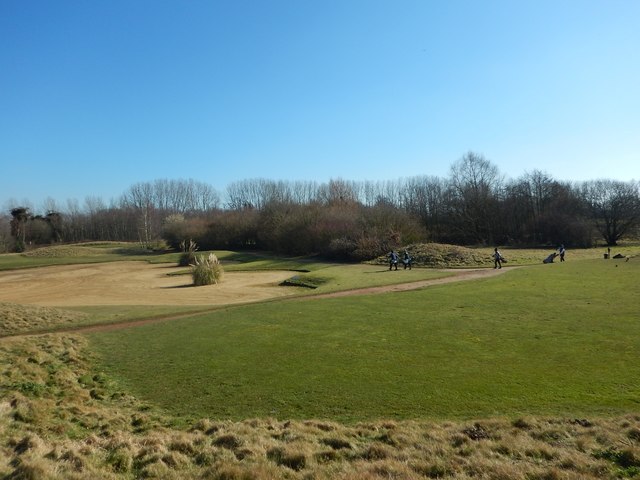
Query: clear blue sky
{"x": 98, "y": 95}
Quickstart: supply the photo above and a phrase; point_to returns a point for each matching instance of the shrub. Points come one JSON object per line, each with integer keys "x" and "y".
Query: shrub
{"x": 176, "y": 228}
{"x": 188, "y": 256}
{"x": 370, "y": 246}
{"x": 159, "y": 245}
{"x": 206, "y": 270}
{"x": 20, "y": 246}
{"x": 341, "y": 248}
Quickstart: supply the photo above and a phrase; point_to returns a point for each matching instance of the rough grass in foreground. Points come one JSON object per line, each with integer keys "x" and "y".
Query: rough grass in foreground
{"x": 16, "y": 318}
{"x": 59, "y": 419}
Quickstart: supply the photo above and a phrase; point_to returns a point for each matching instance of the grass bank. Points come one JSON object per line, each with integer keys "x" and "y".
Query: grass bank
{"x": 17, "y": 319}
{"x": 92, "y": 252}
{"x": 61, "y": 419}
{"x": 546, "y": 340}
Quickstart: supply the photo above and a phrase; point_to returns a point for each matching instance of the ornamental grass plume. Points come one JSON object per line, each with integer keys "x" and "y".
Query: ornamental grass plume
{"x": 188, "y": 253}
{"x": 206, "y": 270}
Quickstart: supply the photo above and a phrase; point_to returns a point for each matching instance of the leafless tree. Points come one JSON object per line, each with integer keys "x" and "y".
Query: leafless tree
{"x": 254, "y": 193}
{"x": 425, "y": 198}
{"x": 614, "y": 207}
{"x": 475, "y": 187}
{"x": 338, "y": 191}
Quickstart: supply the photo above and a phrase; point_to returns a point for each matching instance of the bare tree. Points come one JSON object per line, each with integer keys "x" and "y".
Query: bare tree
{"x": 304, "y": 192}
{"x": 50, "y": 205}
{"x": 475, "y": 184}
{"x": 425, "y": 198}
{"x": 528, "y": 207}
{"x": 338, "y": 191}
{"x": 95, "y": 229}
{"x": 614, "y": 207}
{"x": 254, "y": 193}
{"x": 369, "y": 193}
{"x": 206, "y": 197}
{"x": 55, "y": 220}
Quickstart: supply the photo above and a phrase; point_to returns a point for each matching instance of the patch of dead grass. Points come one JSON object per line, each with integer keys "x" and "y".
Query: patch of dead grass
{"x": 16, "y": 318}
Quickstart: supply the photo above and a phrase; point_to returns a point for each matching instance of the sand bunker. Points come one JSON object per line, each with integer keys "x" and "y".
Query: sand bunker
{"x": 134, "y": 283}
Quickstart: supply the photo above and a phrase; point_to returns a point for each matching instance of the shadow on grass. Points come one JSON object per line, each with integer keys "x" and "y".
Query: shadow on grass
{"x": 138, "y": 251}
{"x": 382, "y": 271}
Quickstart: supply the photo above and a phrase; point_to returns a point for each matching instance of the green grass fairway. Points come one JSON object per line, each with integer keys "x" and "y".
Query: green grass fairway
{"x": 561, "y": 339}
{"x": 92, "y": 252}
{"x": 332, "y": 278}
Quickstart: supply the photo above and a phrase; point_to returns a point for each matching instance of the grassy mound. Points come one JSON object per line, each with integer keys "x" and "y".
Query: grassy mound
{"x": 16, "y": 318}
{"x": 438, "y": 255}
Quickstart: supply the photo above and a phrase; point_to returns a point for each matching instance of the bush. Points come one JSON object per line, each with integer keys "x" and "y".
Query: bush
{"x": 186, "y": 259}
{"x": 159, "y": 245}
{"x": 370, "y": 246}
{"x": 341, "y": 248}
{"x": 206, "y": 270}
{"x": 19, "y": 246}
{"x": 188, "y": 256}
{"x": 231, "y": 230}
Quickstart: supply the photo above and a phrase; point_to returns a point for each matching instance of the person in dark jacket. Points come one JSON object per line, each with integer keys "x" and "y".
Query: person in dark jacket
{"x": 407, "y": 260}
{"x": 393, "y": 260}
{"x": 497, "y": 258}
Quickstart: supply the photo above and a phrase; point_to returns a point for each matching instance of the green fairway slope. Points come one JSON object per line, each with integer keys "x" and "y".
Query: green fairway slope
{"x": 549, "y": 339}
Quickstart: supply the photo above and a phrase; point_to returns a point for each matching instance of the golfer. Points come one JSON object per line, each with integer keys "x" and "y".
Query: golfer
{"x": 497, "y": 258}
{"x": 393, "y": 260}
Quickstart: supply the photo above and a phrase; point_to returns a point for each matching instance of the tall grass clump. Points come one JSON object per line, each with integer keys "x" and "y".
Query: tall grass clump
{"x": 206, "y": 270}
{"x": 188, "y": 256}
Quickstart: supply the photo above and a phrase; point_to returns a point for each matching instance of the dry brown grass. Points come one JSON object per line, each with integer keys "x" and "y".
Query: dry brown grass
{"x": 16, "y": 318}
{"x": 61, "y": 420}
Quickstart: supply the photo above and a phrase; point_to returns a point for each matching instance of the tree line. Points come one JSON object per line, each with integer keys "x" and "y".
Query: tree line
{"x": 474, "y": 205}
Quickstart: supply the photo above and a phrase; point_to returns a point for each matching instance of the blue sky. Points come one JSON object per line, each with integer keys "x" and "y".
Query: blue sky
{"x": 98, "y": 95}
